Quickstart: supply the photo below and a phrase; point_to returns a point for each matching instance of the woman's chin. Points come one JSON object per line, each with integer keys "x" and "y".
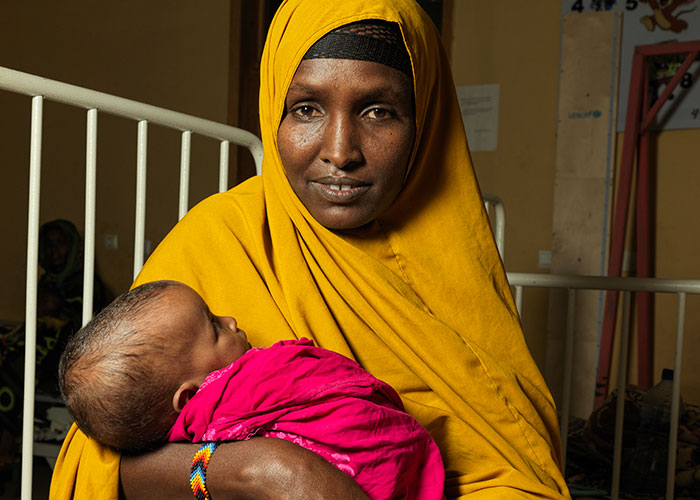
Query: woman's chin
{"x": 343, "y": 221}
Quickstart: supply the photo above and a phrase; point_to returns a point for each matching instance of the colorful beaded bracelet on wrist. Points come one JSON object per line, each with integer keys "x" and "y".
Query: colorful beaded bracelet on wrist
{"x": 198, "y": 474}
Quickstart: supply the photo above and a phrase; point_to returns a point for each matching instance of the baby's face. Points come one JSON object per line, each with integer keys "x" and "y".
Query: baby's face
{"x": 209, "y": 342}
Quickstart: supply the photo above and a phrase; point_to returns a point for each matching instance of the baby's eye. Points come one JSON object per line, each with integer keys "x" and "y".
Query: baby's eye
{"x": 215, "y": 324}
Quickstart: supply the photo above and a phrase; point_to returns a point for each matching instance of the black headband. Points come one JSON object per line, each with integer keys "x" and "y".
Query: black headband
{"x": 371, "y": 40}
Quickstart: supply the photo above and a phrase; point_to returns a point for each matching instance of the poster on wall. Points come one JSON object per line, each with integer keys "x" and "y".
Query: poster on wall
{"x": 479, "y": 106}
{"x": 646, "y": 22}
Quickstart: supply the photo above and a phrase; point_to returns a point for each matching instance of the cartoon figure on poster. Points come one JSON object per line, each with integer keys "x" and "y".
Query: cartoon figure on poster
{"x": 665, "y": 17}
{"x": 646, "y": 22}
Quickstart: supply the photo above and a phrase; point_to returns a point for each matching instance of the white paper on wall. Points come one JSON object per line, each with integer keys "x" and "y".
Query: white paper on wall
{"x": 479, "y": 106}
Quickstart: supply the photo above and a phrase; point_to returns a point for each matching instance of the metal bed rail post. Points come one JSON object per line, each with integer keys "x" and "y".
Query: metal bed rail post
{"x": 90, "y": 199}
{"x": 491, "y": 201}
{"x": 223, "y": 166}
{"x": 675, "y": 398}
{"x": 185, "y": 151}
{"x": 620, "y": 403}
{"x": 140, "y": 222}
{"x": 31, "y": 300}
{"x": 568, "y": 374}
{"x": 519, "y": 299}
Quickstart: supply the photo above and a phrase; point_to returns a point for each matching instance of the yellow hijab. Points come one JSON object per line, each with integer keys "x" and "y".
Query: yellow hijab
{"x": 419, "y": 298}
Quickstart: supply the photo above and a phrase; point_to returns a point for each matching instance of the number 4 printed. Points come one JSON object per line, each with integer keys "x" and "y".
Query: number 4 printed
{"x": 577, "y": 6}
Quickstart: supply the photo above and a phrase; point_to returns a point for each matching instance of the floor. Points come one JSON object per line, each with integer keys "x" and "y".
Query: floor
{"x": 10, "y": 480}
{"x": 50, "y": 427}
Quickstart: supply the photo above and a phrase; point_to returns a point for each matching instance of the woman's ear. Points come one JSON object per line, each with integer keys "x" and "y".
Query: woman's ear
{"x": 183, "y": 394}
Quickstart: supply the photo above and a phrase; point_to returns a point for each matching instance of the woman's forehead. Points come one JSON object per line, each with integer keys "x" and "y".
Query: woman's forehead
{"x": 333, "y": 78}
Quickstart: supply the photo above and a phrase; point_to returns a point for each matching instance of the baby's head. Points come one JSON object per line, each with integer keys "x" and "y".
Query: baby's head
{"x": 131, "y": 369}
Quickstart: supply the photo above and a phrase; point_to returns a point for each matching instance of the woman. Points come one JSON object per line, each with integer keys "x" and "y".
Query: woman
{"x": 59, "y": 314}
{"x": 61, "y": 285}
{"x": 60, "y": 296}
{"x": 366, "y": 232}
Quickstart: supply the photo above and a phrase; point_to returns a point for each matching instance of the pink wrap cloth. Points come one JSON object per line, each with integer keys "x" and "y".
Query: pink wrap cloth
{"x": 326, "y": 403}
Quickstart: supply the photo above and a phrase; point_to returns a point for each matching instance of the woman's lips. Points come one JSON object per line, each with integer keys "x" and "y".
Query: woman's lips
{"x": 338, "y": 190}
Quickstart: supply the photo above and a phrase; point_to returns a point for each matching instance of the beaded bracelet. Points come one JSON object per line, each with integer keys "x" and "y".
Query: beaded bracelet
{"x": 198, "y": 473}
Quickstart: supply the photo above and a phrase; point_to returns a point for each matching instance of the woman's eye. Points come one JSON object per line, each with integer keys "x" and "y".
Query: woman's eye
{"x": 304, "y": 111}
{"x": 378, "y": 113}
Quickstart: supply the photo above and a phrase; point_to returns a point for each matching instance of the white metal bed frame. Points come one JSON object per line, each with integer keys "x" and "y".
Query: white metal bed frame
{"x": 94, "y": 102}
{"x": 573, "y": 283}
{"x": 41, "y": 88}
{"x": 494, "y": 207}
{"x": 681, "y": 288}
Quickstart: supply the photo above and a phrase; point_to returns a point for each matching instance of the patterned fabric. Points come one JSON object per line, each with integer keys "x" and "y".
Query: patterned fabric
{"x": 590, "y": 451}
{"x": 374, "y": 41}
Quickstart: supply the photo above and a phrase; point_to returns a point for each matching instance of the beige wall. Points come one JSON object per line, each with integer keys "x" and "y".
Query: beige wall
{"x": 677, "y": 250}
{"x": 173, "y": 54}
{"x": 516, "y": 44}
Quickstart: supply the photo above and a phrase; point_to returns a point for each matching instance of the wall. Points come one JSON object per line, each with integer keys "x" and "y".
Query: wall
{"x": 677, "y": 245}
{"x": 516, "y": 44}
{"x": 173, "y": 54}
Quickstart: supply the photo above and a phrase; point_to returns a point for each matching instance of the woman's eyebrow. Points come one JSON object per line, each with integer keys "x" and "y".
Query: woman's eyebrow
{"x": 389, "y": 92}
{"x": 301, "y": 88}
{"x": 384, "y": 92}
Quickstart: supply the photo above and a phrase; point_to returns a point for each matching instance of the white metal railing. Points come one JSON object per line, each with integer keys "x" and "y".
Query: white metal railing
{"x": 494, "y": 206}
{"x": 97, "y": 102}
{"x": 681, "y": 288}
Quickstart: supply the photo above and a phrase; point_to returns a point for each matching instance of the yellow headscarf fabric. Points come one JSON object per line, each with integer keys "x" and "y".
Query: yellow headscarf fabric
{"x": 419, "y": 298}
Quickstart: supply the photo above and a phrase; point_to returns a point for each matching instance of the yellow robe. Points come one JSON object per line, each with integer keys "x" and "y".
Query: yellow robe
{"x": 419, "y": 298}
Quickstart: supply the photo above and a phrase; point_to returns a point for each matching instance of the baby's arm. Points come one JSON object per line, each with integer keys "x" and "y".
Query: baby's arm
{"x": 259, "y": 468}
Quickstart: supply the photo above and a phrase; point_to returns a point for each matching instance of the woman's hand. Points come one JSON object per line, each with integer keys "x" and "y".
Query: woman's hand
{"x": 261, "y": 468}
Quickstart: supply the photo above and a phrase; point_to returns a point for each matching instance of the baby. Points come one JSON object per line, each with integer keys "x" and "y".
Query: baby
{"x": 157, "y": 365}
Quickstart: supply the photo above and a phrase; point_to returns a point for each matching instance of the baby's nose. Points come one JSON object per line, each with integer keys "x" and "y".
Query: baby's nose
{"x": 229, "y": 323}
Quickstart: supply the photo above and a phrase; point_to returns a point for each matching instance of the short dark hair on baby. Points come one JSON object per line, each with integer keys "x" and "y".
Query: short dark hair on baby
{"x": 108, "y": 377}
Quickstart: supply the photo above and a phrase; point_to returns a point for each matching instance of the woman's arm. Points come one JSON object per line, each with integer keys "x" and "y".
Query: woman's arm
{"x": 267, "y": 468}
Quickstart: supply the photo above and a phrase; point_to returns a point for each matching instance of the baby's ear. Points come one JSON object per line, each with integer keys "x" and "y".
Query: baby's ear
{"x": 183, "y": 394}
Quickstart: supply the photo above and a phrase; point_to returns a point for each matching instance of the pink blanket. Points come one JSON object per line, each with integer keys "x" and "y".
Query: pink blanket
{"x": 326, "y": 403}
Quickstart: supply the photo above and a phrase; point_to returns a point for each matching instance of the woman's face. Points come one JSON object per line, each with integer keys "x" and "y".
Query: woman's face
{"x": 346, "y": 138}
{"x": 56, "y": 249}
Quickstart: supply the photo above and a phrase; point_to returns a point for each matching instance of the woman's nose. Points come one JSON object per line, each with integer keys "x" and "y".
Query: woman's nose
{"x": 228, "y": 322}
{"x": 341, "y": 144}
